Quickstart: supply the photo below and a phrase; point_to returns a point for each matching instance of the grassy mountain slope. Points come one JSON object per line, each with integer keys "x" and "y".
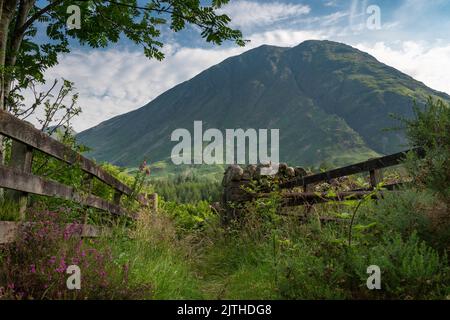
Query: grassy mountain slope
{"x": 330, "y": 101}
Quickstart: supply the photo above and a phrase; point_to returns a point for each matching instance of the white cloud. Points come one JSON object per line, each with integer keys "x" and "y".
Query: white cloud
{"x": 331, "y": 3}
{"x": 333, "y": 18}
{"x": 285, "y": 37}
{"x": 113, "y": 82}
{"x": 423, "y": 62}
{"x": 246, "y": 14}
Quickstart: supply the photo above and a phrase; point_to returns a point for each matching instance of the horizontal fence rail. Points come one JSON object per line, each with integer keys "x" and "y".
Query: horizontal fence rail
{"x": 10, "y": 229}
{"x": 16, "y": 180}
{"x": 301, "y": 198}
{"x": 18, "y": 177}
{"x": 25, "y": 133}
{"x": 366, "y": 166}
{"x": 236, "y": 181}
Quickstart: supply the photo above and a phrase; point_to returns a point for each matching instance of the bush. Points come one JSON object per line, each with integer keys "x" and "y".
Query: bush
{"x": 305, "y": 275}
{"x": 431, "y": 130}
{"x": 410, "y": 211}
{"x": 189, "y": 216}
{"x": 267, "y": 256}
{"x": 410, "y": 269}
{"x": 34, "y": 266}
{"x": 403, "y": 212}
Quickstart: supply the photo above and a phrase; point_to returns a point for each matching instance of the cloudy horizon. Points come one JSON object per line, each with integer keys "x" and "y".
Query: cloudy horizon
{"x": 412, "y": 38}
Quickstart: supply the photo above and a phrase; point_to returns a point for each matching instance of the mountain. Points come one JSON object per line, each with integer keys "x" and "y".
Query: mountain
{"x": 330, "y": 101}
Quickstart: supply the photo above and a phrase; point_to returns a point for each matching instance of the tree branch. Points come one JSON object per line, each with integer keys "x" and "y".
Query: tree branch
{"x": 160, "y": 11}
{"x": 38, "y": 14}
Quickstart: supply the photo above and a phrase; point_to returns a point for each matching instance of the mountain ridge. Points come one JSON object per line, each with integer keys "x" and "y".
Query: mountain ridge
{"x": 329, "y": 100}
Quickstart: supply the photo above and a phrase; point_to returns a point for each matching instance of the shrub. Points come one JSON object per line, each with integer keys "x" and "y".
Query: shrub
{"x": 430, "y": 129}
{"x": 410, "y": 269}
{"x": 403, "y": 212}
{"x": 406, "y": 212}
{"x": 189, "y": 216}
{"x": 305, "y": 275}
{"x": 34, "y": 266}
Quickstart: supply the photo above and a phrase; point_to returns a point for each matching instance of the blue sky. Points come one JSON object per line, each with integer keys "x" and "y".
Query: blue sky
{"x": 414, "y": 37}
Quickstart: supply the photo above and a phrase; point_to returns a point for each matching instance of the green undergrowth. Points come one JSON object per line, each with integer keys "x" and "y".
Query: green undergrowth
{"x": 9, "y": 210}
{"x": 183, "y": 251}
{"x": 154, "y": 256}
{"x": 281, "y": 258}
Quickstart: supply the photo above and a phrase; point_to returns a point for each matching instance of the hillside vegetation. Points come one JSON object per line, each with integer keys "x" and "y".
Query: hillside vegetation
{"x": 331, "y": 102}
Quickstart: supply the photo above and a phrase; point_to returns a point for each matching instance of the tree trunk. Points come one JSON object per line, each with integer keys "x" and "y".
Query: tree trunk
{"x": 2, "y": 2}
{"x": 15, "y": 43}
{"x": 7, "y": 9}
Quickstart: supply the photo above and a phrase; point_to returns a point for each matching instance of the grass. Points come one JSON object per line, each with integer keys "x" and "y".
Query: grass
{"x": 184, "y": 252}
{"x": 272, "y": 257}
{"x": 267, "y": 256}
{"x": 279, "y": 258}
{"x": 156, "y": 257}
{"x": 9, "y": 210}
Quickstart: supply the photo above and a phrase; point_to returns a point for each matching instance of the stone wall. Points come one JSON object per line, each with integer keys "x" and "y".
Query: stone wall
{"x": 236, "y": 178}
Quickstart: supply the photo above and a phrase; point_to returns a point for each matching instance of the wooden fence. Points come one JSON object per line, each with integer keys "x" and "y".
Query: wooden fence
{"x": 373, "y": 167}
{"x": 235, "y": 193}
{"x": 19, "y": 178}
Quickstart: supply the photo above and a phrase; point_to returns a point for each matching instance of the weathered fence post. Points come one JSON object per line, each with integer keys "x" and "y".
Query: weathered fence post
{"x": 308, "y": 206}
{"x": 89, "y": 184}
{"x": 117, "y": 196}
{"x": 154, "y": 200}
{"x": 376, "y": 176}
{"x": 22, "y": 160}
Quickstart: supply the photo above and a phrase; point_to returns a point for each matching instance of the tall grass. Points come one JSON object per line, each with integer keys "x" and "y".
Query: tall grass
{"x": 270, "y": 257}
{"x": 9, "y": 210}
{"x": 154, "y": 256}
{"x": 262, "y": 256}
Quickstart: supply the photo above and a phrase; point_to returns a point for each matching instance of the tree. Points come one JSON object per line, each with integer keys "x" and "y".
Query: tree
{"x": 23, "y": 59}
